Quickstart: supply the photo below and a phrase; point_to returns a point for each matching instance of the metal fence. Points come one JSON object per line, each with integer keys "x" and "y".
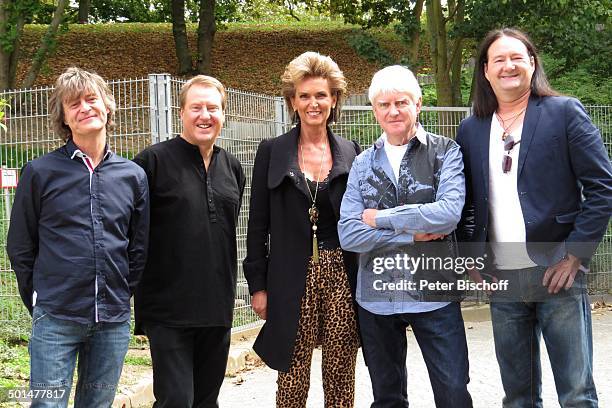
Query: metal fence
{"x": 148, "y": 112}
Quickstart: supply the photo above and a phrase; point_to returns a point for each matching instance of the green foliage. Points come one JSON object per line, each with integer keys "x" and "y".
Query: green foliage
{"x": 368, "y": 47}
{"x": 14, "y": 363}
{"x": 15, "y": 11}
{"x": 129, "y": 10}
{"x": 14, "y": 157}
{"x": 589, "y": 89}
{"x": 571, "y": 28}
{"x": 430, "y": 97}
{"x": 3, "y": 105}
{"x": 271, "y": 11}
{"x": 137, "y": 360}
{"x": 150, "y": 11}
{"x": 466, "y": 85}
{"x": 243, "y": 316}
{"x": 13, "y": 311}
{"x": 581, "y": 81}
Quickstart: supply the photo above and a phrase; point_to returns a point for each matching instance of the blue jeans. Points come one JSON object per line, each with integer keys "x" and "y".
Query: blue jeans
{"x": 441, "y": 338}
{"x": 54, "y": 346}
{"x": 565, "y": 323}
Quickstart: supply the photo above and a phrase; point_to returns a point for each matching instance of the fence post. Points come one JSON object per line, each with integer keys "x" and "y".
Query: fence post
{"x": 160, "y": 110}
{"x": 281, "y": 120}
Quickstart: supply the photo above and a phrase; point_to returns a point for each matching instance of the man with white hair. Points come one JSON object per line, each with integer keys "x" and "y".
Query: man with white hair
{"x": 403, "y": 193}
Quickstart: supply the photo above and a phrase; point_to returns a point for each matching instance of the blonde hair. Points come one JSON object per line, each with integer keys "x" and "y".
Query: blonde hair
{"x": 203, "y": 80}
{"x": 314, "y": 65}
{"x": 72, "y": 84}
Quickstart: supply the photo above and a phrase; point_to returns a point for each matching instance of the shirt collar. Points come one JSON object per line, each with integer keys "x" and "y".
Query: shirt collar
{"x": 191, "y": 147}
{"x": 421, "y": 136}
{"x": 74, "y": 151}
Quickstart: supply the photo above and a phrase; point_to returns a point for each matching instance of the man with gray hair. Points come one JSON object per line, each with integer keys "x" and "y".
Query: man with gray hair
{"x": 77, "y": 242}
{"x": 404, "y": 193}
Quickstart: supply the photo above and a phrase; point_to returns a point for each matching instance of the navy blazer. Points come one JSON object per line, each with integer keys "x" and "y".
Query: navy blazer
{"x": 564, "y": 179}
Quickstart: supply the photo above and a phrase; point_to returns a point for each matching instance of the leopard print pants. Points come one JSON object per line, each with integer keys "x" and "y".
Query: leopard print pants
{"x": 327, "y": 318}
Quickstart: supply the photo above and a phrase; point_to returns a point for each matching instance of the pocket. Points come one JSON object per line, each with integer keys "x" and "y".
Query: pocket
{"x": 37, "y": 315}
{"x": 567, "y": 218}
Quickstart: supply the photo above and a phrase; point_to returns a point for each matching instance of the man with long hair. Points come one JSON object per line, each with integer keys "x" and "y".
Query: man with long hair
{"x": 539, "y": 198}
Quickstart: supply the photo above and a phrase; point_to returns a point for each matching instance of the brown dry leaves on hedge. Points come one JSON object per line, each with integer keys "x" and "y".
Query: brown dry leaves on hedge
{"x": 246, "y": 60}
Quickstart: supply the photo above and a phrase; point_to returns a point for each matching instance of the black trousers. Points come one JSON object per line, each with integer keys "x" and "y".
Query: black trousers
{"x": 188, "y": 364}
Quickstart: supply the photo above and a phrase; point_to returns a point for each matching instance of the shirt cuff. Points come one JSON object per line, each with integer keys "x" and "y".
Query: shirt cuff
{"x": 383, "y": 219}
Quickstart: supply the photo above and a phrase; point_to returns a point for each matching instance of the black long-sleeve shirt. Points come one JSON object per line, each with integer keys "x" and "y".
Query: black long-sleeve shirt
{"x": 78, "y": 236}
{"x": 190, "y": 277}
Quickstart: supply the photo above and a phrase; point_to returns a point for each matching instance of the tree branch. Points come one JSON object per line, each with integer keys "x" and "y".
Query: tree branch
{"x": 457, "y": 48}
{"x": 451, "y": 14}
{"x": 46, "y": 44}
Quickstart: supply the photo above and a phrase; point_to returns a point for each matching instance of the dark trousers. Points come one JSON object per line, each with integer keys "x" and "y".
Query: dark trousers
{"x": 188, "y": 364}
{"x": 441, "y": 337}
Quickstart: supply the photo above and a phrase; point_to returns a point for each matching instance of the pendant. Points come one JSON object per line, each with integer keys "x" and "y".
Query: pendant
{"x": 313, "y": 214}
{"x": 315, "y": 245}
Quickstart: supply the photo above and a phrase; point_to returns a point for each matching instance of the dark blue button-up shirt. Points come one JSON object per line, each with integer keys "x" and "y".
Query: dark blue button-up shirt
{"x": 78, "y": 236}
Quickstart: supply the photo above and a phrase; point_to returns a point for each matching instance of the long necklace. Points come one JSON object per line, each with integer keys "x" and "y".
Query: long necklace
{"x": 313, "y": 211}
{"x": 502, "y": 122}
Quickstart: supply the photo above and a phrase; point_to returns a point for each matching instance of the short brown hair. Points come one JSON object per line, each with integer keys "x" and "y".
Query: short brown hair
{"x": 203, "y": 80}
{"x": 314, "y": 65}
{"x": 73, "y": 83}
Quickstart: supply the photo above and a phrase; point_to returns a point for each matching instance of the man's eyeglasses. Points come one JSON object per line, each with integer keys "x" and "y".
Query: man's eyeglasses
{"x": 509, "y": 144}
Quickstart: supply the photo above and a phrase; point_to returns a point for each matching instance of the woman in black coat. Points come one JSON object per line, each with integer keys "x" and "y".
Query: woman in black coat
{"x": 300, "y": 280}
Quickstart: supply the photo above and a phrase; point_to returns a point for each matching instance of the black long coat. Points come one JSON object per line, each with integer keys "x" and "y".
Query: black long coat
{"x": 279, "y": 210}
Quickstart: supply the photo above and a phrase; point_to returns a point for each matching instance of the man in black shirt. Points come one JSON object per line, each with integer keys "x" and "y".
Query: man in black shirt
{"x": 185, "y": 301}
{"x": 77, "y": 242}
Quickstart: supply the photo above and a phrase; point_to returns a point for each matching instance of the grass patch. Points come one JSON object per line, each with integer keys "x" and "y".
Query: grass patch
{"x": 14, "y": 363}
{"x": 244, "y": 316}
{"x": 138, "y": 360}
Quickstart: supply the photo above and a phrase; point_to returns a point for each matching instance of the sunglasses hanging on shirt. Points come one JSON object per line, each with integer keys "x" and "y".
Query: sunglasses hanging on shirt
{"x": 509, "y": 144}
{"x": 508, "y": 140}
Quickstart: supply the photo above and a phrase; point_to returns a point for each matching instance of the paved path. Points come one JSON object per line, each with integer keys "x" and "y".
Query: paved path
{"x": 257, "y": 388}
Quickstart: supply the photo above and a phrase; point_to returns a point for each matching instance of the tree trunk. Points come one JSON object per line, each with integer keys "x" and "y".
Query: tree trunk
{"x": 439, "y": 52}
{"x": 84, "y": 11}
{"x": 472, "y": 87}
{"x": 179, "y": 32}
{"x": 46, "y": 44}
{"x": 16, "y": 50}
{"x": 413, "y": 51}
{"x": 5, "y": 55}
{"x": 10, "y": 53}
{"x": 206, "y": 35}
{"x": 456, "y": 55}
